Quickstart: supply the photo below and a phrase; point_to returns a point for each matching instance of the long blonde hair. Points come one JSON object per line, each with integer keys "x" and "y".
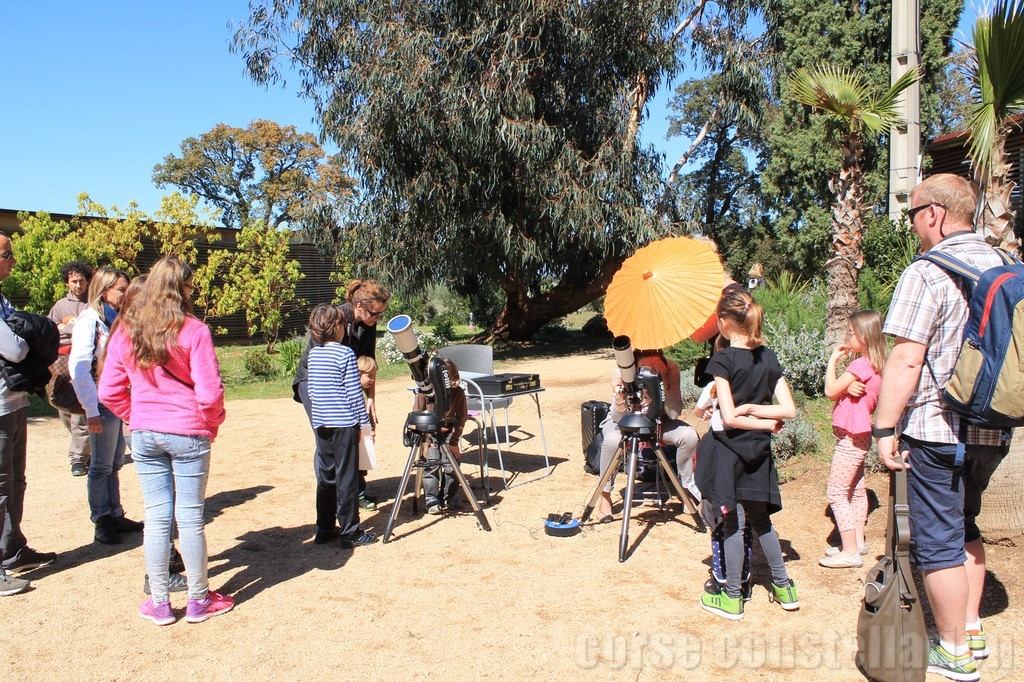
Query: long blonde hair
{"x": 127, "y": 303}
{"x": 158, "y": 312}
{"x": 868, "y": 326}
{"x": 103, "y": 279}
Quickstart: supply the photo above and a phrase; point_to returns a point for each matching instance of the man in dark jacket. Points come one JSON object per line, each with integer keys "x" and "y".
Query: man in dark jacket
{"x": 15, "y": 554}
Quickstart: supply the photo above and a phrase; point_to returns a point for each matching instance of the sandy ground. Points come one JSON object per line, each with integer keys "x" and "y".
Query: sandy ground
{"x": 443, "y": 599}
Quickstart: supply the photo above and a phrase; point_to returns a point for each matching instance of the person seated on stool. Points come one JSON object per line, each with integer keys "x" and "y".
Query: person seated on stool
{"x": 438, "y": 478}
{"x": 673, "y": 430}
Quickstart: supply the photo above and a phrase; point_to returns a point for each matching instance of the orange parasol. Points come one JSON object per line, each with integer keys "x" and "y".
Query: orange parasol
{"x": 664, "y": 292}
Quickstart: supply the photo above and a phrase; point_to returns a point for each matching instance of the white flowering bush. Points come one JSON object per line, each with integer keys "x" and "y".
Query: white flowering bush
{"x": 802, "y": 354}
{"x": 429, "y": 342}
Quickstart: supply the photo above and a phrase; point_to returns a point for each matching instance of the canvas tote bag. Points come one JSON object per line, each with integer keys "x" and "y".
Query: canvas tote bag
{"x": 892, "y": 644}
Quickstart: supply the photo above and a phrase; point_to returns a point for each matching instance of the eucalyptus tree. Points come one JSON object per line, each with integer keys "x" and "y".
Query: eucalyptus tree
{"x": 856, "y": 111}
{"x": 492, "y": 142}
{"x": 997, "y": 80}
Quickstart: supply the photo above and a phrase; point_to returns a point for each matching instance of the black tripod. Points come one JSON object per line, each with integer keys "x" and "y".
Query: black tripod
{"x": 422, "y": 433}
{"x": 637, "y": 431}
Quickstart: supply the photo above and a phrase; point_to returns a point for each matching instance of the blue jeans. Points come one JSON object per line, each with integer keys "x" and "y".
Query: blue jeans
{"x": 107, "y": 448}
{"x": 945, "y": 499}
{"x": 173, "y": 471}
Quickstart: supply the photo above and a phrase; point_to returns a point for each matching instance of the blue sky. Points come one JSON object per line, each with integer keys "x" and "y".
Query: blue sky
{"x": 96, "y": 94}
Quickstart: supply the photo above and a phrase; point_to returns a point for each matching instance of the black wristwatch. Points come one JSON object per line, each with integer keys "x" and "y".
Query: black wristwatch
{"x": 879, "y": 432}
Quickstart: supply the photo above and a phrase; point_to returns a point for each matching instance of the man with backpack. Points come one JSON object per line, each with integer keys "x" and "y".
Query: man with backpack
{"x": 949, "y": 467}
{"x": 64, "y": 313}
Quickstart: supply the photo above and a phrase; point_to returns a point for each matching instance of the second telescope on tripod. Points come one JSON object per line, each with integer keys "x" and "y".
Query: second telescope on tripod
{"x": 642, "y": 388}
{"x": 422, "y": 433}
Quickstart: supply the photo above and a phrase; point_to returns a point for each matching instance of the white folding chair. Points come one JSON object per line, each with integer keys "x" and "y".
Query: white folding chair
{"x": 475, "y": 360}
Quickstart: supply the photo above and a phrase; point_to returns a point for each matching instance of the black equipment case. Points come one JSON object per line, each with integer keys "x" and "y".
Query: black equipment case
{"x": 593, "y": 412}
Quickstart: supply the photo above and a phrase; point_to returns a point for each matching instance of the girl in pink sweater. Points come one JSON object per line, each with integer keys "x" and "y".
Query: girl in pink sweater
{"x": 161, "y": 376}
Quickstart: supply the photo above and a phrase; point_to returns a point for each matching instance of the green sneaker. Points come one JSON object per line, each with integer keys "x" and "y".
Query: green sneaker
{"x": 722, "y": 605}
{"x": 963, "y": 668}
{"x": 977, "y": 643}
{"x": 786, "y": 595}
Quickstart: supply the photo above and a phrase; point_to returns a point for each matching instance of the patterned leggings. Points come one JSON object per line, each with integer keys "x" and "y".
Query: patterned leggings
{"x": 846, "y": 492}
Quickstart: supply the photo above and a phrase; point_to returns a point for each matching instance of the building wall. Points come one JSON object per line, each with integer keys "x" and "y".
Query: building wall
{"x": 948, "y": 154}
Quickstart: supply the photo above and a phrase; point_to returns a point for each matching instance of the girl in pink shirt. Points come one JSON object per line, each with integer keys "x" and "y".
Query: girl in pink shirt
{"x": 855, "y": 393}
{"x": 161, "y": 375}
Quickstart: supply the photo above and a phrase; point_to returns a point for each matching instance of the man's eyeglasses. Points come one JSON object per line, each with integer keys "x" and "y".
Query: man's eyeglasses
{"x": 7, "y": 255}
{"x": 912, "y": 212}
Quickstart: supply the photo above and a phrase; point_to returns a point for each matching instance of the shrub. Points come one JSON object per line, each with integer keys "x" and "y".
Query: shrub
{"x": 289, "y": 353}
{"x": 258, "y": 363}
{"x": 797, "y": 438}
{"x": 597, "y": 326}
{"x": 689, "y": 390}
{"x": 444, "y": 325}
{"x": 389, "y": 353}
{"x": 555, "y": 327}
{"x": 686, "y": 353}
{"x": 802, "y": 355}
{"x": 793, "y": 302}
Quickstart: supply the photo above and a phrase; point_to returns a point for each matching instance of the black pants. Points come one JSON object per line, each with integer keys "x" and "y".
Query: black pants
{"x": 302, "y": 391}
{"x": 337, "y": 479}
{"x": 12, "y": 483}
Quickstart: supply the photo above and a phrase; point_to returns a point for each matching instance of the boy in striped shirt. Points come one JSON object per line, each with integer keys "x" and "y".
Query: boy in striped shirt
{"x": 338, "y": 413}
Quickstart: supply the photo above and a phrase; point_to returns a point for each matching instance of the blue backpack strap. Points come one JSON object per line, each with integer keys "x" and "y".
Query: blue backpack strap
{"x": 961, "y": 444}
{"x": 1008, "y": 258}
{"x": 951, "y": 264}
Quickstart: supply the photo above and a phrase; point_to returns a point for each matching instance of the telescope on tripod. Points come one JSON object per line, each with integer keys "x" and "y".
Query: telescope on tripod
{"x": 644, "y": 395}
{"x": 422, "y": 433}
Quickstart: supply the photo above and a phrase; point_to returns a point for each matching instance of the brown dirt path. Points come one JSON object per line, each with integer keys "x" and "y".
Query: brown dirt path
{"x": 443, "y": 599}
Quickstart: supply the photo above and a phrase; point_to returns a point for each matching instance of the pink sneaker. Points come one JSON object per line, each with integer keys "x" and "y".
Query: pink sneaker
{"x": 161, "y": 613}
{"x": 203, "y": 609}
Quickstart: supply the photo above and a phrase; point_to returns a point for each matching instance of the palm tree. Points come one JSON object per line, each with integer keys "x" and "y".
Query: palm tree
{"x": 852, "y": 104}
{"x": 997, "y": 80}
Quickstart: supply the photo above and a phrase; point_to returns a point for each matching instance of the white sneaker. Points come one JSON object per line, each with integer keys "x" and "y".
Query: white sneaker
{"x": 840, "y": 561}
{"x": 862, "y": 549}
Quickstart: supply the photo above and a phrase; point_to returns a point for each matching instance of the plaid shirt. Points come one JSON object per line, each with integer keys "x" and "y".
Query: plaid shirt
{"x": 930, "y": 307}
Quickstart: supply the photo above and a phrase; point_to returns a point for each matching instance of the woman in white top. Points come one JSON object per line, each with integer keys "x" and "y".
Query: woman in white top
{"x": 106, "y": 440}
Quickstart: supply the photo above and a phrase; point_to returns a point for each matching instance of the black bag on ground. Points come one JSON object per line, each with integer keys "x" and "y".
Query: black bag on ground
{"x": 593, "y": 412}
{"x": 892, "y": 644}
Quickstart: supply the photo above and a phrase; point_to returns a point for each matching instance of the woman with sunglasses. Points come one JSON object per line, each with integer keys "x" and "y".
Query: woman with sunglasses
{"x": 366, "y": 302}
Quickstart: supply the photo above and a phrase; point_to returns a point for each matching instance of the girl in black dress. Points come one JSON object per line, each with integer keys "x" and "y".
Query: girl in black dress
{"x": 735, "y": 471}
